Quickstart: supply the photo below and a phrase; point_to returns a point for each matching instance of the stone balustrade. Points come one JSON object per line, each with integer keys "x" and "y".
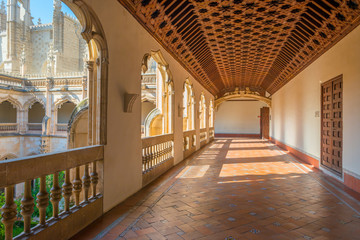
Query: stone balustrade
{"x": 61, "y": 127}
{"x": 71, "y": 213}
{"x": 211, "y": 133}
{"x": 9, "y": 127}
{"x": 203, "y": 137}
{"x": 148, "y": 79}
{"x": 34, "y": 126}
{"x": 189, "y": 142}
{"x": 10, "y": 81}
{"x": 157, "y": 156}
{"x": 76, "y": 79}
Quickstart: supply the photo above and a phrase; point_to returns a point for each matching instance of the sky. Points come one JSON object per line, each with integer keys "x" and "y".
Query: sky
{"x": 43, "y": 9}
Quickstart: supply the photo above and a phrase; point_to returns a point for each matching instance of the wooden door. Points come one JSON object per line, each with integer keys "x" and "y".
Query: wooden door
{"x": 331, "y": 124}
{"x": 264, "y": 122}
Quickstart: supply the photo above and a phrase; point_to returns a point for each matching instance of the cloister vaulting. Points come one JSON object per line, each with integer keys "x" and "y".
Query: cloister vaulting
{"x": 180, "y": 119}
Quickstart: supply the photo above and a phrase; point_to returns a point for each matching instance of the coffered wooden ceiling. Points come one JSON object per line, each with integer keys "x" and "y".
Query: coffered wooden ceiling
{"x": 260, "y": 44}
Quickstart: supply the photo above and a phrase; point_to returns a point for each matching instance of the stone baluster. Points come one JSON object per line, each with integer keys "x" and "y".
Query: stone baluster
{"x": 144, "y": 159}
{"x": 155, "y": 155}
{"x": 77, "y": 185}
{"x": 94, "y": 178}
{"x": 148, "y": 158}
{"x": 162, "y": 152}
{"x": 86, "y": 183}
{"x": 27, "y": 207}
{"x": 148, "y": 161}
{"x": 152, "y": 156}
{"x": 9, "y": 212}
{"x": 158, "y": 154}
{"x": 55, "y": 195}
{"x": 42, "y": 201}
{"x": 67, "y": 190}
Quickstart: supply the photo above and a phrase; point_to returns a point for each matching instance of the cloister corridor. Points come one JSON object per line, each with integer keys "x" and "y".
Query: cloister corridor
{"x": 235, "y": 188}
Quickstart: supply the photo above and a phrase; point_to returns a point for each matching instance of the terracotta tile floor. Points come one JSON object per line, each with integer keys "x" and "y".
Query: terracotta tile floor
{"x": 235, "y": 188}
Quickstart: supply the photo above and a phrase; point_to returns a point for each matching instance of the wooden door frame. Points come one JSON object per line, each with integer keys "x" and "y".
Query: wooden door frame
{"x": 322, "y": 127}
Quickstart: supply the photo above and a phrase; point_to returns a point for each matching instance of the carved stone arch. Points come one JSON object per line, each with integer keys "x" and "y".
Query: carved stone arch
{"x": 202, "y": 100}
{"x": 94, "y": 35}
{"x": 80, "y": 110}
{"x": 148, "y": 120}
{"x": 191, "y": 86}
{"x": 160, "y": 60}
{"x": 13, "y": 101}
{"x": 59, "y": 102}
{"x": 32, "y": 101}
{"x": 241, "y": 95}
{"x": 145, "y": 62}
{"x": 146, "y": 97}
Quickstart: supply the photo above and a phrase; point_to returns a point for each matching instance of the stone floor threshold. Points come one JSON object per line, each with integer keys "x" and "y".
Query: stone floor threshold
{"x": 235, "y": 188}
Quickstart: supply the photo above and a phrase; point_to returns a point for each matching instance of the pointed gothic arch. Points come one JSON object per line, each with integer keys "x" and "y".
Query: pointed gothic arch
{"x": 97, "y": 67}
{"x": 59, "y": 102}
{"x": 188, "y": 106}
{"x": 202, "y": 111}
{"x": 13, "y": 101}
{"x": 161, "y": 93}
{"x": 211, "y": 113}
{"x": 29, "y": 103}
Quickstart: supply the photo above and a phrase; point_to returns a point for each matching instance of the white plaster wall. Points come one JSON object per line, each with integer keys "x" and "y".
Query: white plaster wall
{"x": 294, "y": 106}
{"x": 238, "y": 117}
{"x": 127, "y": 43}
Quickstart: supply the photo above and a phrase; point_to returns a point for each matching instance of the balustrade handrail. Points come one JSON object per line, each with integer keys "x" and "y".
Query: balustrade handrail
{"x": 16, "y": 171}
{"x": 189, "y": 132}
{"x": 203, "y": 130}
{"x": 8, "y": 124}
{"x": 150, "y": 141}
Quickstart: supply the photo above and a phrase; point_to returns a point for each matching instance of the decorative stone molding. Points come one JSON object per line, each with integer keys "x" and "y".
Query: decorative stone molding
{"x": 59, "y": 102}
{"x": 13, "y": 101}
{"x": 129, "y": 100}
{"x": 33, "y": 100}
{"x": 155, "y": 112}
{"x": 242, "y": 94}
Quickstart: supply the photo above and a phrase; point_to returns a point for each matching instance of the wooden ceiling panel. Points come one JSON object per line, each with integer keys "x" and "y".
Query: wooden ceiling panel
{"x": 260, "y": 44}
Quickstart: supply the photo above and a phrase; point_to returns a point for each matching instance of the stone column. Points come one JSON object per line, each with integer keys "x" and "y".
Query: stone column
{"x": 90, "y": 95}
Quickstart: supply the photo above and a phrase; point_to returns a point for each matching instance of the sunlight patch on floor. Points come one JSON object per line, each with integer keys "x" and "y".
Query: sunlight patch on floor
{"x": 252, "y": 154}
{"x": 193, "y": 171}
{"x": 265, "y": 168}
